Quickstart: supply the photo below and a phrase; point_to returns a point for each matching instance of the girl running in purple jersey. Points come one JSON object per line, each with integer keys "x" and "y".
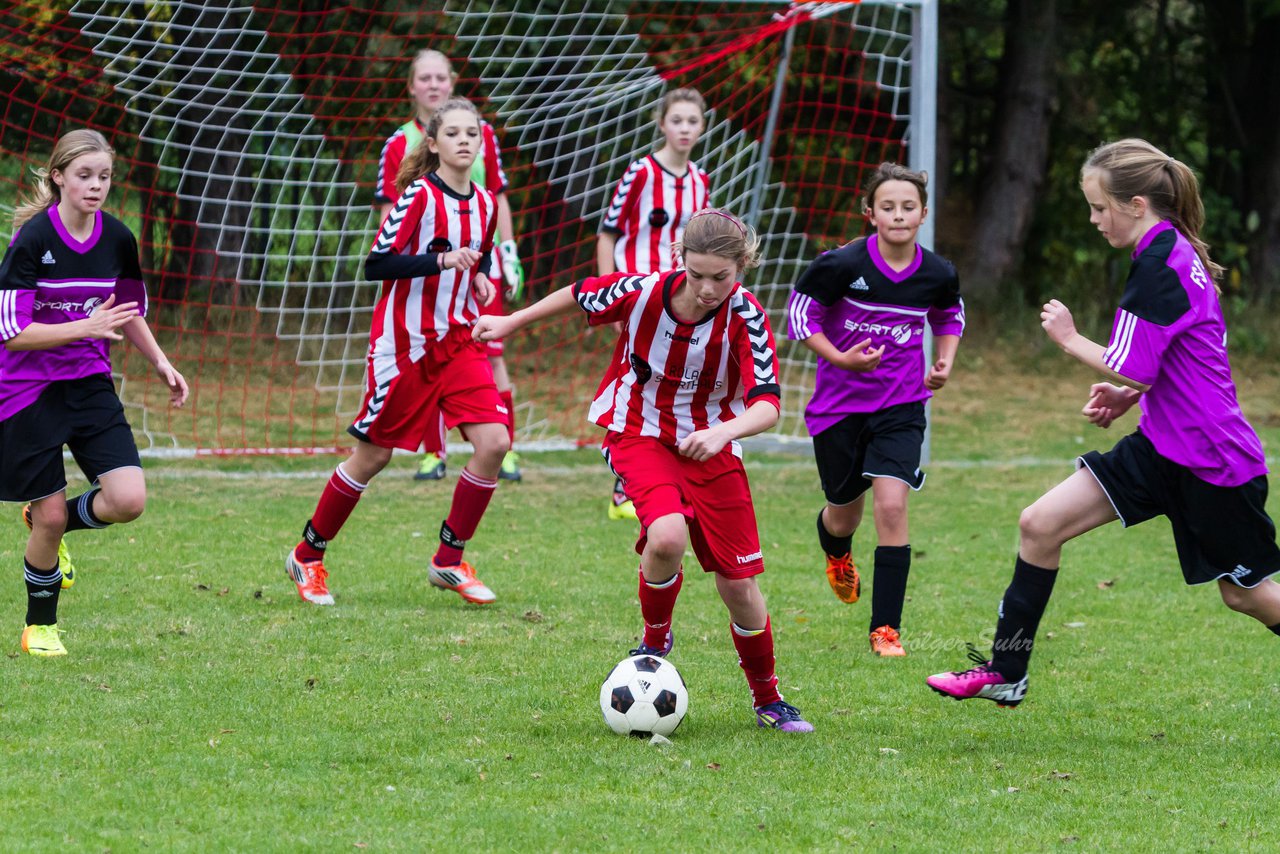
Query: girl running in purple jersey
{"x": 1193, "y": 458}
{"x": 70, "y": 283}
{"x": 862, "y": 309}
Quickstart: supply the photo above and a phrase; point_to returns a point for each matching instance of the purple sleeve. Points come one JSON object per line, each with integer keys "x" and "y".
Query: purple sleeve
{"x": 17, "y": 289}
{"x": 1137, "y": 346}
{"x": 804, "y": 316}
{"x": 947, "y": 321}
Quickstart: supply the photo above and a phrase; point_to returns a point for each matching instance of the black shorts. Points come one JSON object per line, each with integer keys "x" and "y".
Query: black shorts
{"x": 83, "y": 414}
{"x": 867, "y": 445}
{"x": 1220, "y": 531}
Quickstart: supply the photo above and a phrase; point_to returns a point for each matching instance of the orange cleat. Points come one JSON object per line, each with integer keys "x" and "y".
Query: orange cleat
{"x": 843, "y": 576}
{"x": 311, "y": 578}
{"x": 461, "y": 579}
{"x": 885, "y": 642}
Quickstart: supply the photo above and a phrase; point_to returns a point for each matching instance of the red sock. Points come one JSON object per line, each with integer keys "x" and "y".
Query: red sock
{"x": 755, "y": 657}
{"x": 509, "y": 401}
{"x": 656, "y": 605}
{"x": 336, "y": 503}
{"x": 470, "y": 498}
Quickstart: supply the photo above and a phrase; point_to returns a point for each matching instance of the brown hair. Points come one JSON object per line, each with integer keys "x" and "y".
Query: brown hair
{"x": 676, "y": 96}
{"x": 720, "y": 233}
{"x": 1128, "y": 168}
{"x": 422, "y": 159}
{"x": 46, "y": 193}
{"x": 886, "y": 172}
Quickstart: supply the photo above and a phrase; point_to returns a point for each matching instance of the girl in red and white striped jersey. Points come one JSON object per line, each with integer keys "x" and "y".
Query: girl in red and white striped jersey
{"x": 651, "y": 206}
{"x": 433, "y": 253}
{"x": 431, "y": 79}
{"x": 694, "y": 371}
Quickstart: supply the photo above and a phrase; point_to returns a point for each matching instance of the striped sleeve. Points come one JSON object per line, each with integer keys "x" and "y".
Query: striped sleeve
{"x": 754, "y": 346}
{"x": 804, "y": 316}
{"x": 402, "y": 220}
{"x": 1136, "y": 347}
{"x": 495, "y": 180}
{"x": 17, "y": 289}
{"x": 609, "y": 298}
{"x": 388, "y": 165}
{"x": 625, "y": 198}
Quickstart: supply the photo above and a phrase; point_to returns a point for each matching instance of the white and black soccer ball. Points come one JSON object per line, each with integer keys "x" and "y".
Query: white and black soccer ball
{"x": 644, "y": 696}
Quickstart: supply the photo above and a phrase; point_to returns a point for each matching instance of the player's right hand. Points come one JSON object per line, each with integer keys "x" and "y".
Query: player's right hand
{"x": 491, "y": 327}
{"x": 107, "y": 318}
{"x": 1107, "y": 402}
{"x": 861, "y": 357}
{"x": 461, "y": 259}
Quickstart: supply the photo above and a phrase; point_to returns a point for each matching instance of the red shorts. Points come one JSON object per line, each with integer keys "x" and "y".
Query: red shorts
{"x": 713, "y": 496}
{"x": 415, "y": 403}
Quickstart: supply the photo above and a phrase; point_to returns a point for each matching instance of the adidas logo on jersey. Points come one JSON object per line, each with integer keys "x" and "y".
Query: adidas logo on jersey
{"x": 48, "y": 258}
{"x": 860, "y": 284}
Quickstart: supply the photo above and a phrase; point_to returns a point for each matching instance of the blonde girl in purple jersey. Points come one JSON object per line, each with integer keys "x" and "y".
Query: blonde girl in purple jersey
{"x": 1193, "y": 458}
{"x": 70, "y": 283}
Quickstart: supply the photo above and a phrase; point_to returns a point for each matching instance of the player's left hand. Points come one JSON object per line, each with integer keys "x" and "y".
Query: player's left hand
{"x": 512, "y": 270}
{"x": 938, "y": 375}
{"x": 485, "y": 291}
{"x": 702, "y": 445}
{"x": 1057, "y": 322}
{"x": 177, "y": 384}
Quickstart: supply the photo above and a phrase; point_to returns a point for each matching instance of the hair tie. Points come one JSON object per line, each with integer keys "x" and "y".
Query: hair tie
{"x": 710, "y": 212}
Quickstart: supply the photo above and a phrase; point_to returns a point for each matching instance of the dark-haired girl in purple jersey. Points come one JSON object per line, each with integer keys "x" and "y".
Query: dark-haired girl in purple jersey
{"x": 862, "y": 309}
{"x": 1193, "y": 458}
{"x": 70, "y": 284}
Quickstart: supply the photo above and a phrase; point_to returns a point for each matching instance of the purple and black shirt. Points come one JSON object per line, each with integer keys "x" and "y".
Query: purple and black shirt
{"x": 851, "y": 294}
{"x": 1169, "y": 334}
{"x": 47, "y": 276}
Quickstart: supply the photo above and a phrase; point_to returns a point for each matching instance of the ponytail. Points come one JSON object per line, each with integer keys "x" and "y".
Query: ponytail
{"x": 1134, "y": 167}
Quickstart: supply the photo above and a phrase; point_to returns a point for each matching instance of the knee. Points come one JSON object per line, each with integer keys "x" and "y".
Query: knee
{"x": 49, "y": 515}
{"x": 667, "y": 542}
{"x": 892, "y": 513}
{"x": 1237, "y": 598}
{"x": 1033, "y": 526}
{"x": 125, "y": 507}
{"x": 494, "y": 446}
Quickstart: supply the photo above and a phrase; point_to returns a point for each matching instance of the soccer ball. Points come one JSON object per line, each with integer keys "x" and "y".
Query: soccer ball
{"x": 644, "y": 696}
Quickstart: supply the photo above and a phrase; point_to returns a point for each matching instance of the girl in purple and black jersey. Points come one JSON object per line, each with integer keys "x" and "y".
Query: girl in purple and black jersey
{"x": 862, "y": 309}
{"x": 1193, "y": 458}
{"x": 70, "y": 283}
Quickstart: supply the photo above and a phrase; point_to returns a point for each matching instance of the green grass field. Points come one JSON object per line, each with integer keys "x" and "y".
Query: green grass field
{"x": 204, "y": 707}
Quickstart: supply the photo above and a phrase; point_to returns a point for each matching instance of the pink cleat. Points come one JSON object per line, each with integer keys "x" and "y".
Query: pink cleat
{"x": 982, "y": 682}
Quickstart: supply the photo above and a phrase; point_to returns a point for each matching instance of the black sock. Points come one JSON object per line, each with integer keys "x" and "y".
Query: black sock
{"x": 889, "y": 585}
{"x": 80, "y": 513}
{"x": 831, "y": 544}
{"x": 1020, "y": 611}
{"x": 43, "y": 586}
{"x": 1275, "y": 628}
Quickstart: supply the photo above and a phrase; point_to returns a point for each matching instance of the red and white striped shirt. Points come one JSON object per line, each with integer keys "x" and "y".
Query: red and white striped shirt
{"x": 486, "y": 171}
{"x": 649, "y": 211}
{"x": 669, "y": 378}
{"x": 429, "y": 218}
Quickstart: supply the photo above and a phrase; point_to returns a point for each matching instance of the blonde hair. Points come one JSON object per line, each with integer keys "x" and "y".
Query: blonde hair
{"x": 1128, "y": 168}
{"x": 422, "y": 159}
{"x": 46, "y": 193}
{"x": 435, "y": 54}
{"x": 886, "y": 172}
{"x": 715, "y": 232}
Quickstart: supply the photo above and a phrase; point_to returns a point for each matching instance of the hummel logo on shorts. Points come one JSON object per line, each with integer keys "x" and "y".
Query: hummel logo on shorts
{"x": 48, "y": 258}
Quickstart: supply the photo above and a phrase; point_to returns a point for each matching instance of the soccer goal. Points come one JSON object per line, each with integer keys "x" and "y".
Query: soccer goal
{"x": 248, "y": 135}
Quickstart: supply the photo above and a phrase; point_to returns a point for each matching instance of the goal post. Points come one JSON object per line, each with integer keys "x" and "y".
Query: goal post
{"x": 247, "y": 139}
